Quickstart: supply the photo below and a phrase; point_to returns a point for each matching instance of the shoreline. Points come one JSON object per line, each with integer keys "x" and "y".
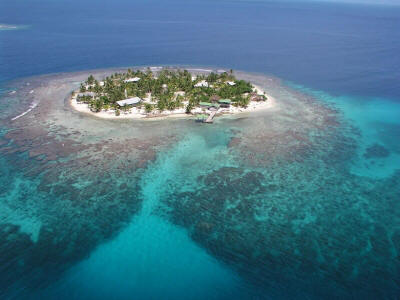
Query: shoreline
{"x": 138, "y": 114}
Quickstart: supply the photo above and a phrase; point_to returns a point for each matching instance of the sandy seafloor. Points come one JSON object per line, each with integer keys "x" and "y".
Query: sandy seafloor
{"x": 300, "y": 200}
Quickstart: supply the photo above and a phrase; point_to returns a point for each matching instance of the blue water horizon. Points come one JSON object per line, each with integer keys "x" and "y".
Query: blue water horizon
{"x": 335, "y": 47}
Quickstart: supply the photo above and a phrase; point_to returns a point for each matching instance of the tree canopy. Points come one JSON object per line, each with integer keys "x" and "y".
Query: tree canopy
{"x": 169, "y": 89}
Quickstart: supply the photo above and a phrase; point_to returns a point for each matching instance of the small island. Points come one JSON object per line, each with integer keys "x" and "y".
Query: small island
{"x": 167, "y": 93}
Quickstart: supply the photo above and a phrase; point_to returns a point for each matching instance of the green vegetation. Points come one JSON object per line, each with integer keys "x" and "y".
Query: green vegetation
{"x": 169, "y": 89}
{"x": 148, "y": 107}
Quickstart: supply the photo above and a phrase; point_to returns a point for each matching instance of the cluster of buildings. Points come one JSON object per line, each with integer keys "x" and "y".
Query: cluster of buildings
{"x": 203, "y": 83}
{"x": 214, "y": 105}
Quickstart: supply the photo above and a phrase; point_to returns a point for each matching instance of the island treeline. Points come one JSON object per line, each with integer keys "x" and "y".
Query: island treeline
{"x": 164, "y": 90}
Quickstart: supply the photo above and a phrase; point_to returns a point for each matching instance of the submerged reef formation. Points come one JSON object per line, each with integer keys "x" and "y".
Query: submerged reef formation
{"x": 376, "y": 151}
{"x": 279, "y": 231}
{"x": 289, "y": 216}
{"x": 67, "y": 183}
{"x": 271, "y": 195}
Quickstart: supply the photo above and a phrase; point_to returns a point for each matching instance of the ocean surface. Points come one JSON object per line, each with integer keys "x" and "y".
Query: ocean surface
{"x": 302, "y": 201}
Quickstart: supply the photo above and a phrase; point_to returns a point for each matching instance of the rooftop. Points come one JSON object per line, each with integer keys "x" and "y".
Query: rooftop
{"x": 134, "y": 79}
{"x": 202, "y": 83}
{"x": 208, "y": 104}
{"x": 225, "y": 101}
{"x": 129, "y": 101}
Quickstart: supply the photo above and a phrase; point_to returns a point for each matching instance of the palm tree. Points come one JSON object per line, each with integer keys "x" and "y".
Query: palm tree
{"x": 90, "y": 79}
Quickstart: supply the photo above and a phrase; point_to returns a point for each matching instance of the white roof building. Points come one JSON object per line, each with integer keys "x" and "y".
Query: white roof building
{"x": 90, "y": 94}
{"x": 231, "y": 83}
{"x": 89, "y": 85}
{"x": 129, "y": 101}
{"x": 134, "y": 79}
{"x": 202, "y": 83}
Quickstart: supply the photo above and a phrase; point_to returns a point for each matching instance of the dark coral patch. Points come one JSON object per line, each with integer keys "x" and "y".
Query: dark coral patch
{"x": 376, "y": 151}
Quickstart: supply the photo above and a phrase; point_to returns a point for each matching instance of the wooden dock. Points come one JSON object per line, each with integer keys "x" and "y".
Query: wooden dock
{"x": 211, "y": 117}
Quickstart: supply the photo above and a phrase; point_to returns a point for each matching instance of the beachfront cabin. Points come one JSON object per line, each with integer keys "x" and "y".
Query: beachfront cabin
{"x": 202, "y": 83}
{"x": 134, "y": 79}
{"x": 129, "y": 101}
{"x": 209, "y": 105}
{"x": 205, "y": 104}
{"x": 225, "y": 103}
{"x": 231, "y": 83}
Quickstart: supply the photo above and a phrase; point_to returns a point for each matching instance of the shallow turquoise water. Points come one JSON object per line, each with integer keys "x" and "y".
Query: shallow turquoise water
{"x": 300, "y": 202}
{"x": 378, "y": 123}
{"x": 152, "y": 258}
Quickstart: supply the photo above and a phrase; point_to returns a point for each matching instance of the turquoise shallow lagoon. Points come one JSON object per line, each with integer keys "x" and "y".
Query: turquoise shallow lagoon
{"x": 153, "y": 258}
{"x": 300, "y": 199}
{"x": 377, "y": 122}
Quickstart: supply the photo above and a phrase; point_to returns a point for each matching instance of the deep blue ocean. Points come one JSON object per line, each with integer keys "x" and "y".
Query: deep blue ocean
{"x": 199, "y": 221}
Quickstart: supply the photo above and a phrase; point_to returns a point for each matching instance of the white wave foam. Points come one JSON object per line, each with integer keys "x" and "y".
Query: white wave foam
{"x": 201, "y": 70}
{"x": 32, "y": 106}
